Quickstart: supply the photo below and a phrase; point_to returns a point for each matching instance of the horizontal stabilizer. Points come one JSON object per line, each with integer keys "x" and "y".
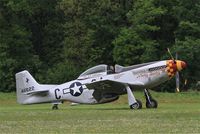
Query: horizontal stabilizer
{"x": 41, "y": 92}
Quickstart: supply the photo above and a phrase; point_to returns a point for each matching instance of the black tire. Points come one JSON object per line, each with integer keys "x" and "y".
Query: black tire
{"x": 154, "y": 104}
{"x": 140, "y": 104}
{"x": 137, "y": 105}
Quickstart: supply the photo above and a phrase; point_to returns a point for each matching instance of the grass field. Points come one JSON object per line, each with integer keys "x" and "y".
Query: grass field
{"x": 177, "y": 113}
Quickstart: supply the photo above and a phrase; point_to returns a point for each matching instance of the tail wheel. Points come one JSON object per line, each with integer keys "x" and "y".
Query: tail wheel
{"x": 55, "y": 107}
{"x": 137, "y": 105}
{"x": 153, "y": 104}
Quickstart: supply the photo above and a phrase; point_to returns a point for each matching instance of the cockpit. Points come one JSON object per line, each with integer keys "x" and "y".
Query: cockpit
{"x": 96, "y": 71}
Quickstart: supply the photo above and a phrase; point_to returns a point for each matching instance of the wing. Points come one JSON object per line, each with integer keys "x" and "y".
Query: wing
{"x": 106, "y": 89}
{"x": 109, "y": 84}
{"x": 109, "y": 88}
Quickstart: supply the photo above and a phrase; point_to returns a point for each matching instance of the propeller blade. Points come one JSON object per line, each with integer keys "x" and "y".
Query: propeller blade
{"x": 176, "y": 56}
{"x": 177, "y": 82}
{"x": 177, "y": 78}
{"x": 185, "y": 83}
{"x": 170, "y": 54}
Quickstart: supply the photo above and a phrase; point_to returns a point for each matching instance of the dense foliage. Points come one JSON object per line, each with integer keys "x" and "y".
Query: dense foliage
{"x": 58, "y": 39}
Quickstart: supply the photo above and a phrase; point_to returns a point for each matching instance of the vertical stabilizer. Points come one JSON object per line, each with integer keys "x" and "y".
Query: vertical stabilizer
{"x": 25, "y": 84}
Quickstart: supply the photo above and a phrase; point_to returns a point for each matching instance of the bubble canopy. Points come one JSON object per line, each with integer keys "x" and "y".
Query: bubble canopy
{"x": 95, "y": 70}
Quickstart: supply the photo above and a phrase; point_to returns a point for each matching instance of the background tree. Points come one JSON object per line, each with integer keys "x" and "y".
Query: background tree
{"x": 137, "y": 42}
{"x": 58, "y": 39}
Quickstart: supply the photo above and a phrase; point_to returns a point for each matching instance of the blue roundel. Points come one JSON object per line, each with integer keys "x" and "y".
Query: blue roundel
{"x": 76, "y": 89}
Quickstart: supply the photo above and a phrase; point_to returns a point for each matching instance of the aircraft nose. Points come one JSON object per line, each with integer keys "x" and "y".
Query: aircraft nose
{"x": 180, "y": 65}
{"x": 183, "y": 64}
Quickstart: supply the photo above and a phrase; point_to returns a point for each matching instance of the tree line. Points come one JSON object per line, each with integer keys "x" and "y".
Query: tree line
{"x": 55, "y": 40}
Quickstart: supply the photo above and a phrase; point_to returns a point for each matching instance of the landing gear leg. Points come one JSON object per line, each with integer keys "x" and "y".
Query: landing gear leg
{"x": 133, "y": 103}
{"x": 55, "y": 107}
{"x": 150, "y": 102}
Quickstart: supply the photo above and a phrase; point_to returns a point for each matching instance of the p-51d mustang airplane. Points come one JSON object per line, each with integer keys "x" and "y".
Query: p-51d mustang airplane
{"x": 100, "y": 84}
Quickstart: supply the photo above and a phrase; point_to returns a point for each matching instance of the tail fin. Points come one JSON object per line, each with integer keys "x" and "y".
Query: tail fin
{"x": 25, "y": 84}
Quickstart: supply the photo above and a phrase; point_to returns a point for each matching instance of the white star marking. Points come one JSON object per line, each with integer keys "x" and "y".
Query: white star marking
{"x": 76, "y": 89}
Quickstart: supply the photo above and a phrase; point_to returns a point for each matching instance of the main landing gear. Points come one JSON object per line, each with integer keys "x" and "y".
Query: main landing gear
{"x": 137, "y": 104}
{"x": 133, "y": 103}
{"x": 150, "y": 102}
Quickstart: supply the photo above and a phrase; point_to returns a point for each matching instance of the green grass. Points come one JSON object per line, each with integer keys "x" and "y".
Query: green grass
{"x": 177, "y": 113}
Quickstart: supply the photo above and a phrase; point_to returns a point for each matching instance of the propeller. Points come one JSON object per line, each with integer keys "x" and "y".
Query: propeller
{"x": 177, "y": 73}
